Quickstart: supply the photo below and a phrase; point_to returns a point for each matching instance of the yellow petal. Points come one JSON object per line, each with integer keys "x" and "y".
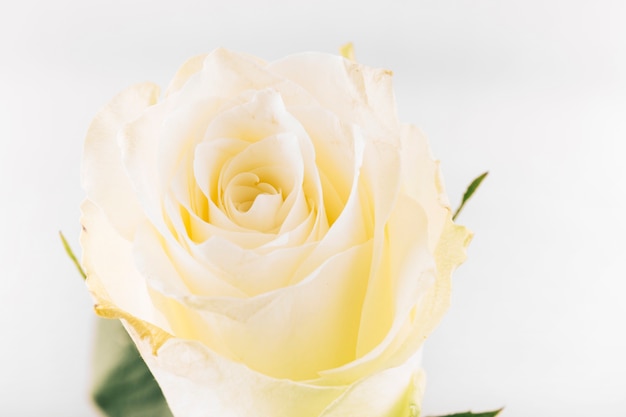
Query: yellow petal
{"x": 394, "y": 392}
{"x": 197, "y": 382}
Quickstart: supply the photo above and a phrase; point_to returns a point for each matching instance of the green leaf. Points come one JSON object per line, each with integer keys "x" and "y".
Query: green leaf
{"x": 470, "y": 414}
{"x": 469, "y": 192}
{"x": 70, "y": 253}
{"x": 123, "y": 385}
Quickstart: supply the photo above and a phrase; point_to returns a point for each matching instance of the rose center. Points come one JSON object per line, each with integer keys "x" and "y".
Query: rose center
{"x": 246, "y": 187}
{"x": 252, "y": 202}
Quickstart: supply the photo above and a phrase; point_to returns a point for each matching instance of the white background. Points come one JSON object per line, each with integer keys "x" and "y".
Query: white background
{"x": 534, "y": 91}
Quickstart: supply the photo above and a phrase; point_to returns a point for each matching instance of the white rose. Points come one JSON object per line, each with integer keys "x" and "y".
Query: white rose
{"x": 274, "y": 240}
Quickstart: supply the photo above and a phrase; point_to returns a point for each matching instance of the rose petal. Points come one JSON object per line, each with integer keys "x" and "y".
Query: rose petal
{"x": 357, "y": 94}
{"x": 139, "y": 141}
{"x": 428, "y": 309}
{"x": 337, "y": 150}
{"x": 210, "y": 156}
{"x": 406, "y": 269}
{"x": 198, "y": 382}
{"x": 279, "y": 161}
{"x": 316, "y": 319}
{"x": 253, "y": 272}
{"x": 103, "y": 176}
{"x": 264, "y": 116}
{"x": 192, "y": 66}
{"x": 393, "y": 392}
{"x": 310, "y": 230}
{"x": 172, "y": 270}
{"x": 233, "y": 75}
{"x": 193, "y": 205}
{"x": 423, "y": 182}
{"x": 125, "y": 285}
{"x": 374, "y": 191}
{"x": 450, "y": 253}
{"x": 226, "y": 74}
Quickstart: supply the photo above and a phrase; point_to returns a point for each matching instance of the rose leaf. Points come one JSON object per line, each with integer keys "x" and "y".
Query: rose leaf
{"x": 122, "y": 383}
{"x": 470, "y": 414}
{"x": 70, "y": 253}
{"x": 471, "y": 189}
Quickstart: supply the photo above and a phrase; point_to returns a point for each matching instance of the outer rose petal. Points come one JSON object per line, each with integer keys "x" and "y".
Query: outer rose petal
{"x": 189, "y": 68}
{"x": 356, "y": 93}
{"x": 198, "y": 383}
{"x": 103, "y": 176}
{"x": 116, "y": 284}
{"x": 393, "y": 392}
{"x": 423, "y": 182}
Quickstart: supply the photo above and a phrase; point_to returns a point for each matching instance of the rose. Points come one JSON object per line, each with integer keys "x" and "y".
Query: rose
{"x": 275, "y": 242}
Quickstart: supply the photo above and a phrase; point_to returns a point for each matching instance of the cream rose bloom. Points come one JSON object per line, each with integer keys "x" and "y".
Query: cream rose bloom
{"x": 275, "y": 242}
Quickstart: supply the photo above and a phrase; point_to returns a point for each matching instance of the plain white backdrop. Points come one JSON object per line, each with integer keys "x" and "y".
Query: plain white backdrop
{"x": 534, "y": 91}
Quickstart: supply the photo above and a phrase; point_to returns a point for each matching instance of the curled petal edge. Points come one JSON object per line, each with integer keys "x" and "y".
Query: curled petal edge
{"x": 105, "y": 308}
{"x": 450, "y": 253}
